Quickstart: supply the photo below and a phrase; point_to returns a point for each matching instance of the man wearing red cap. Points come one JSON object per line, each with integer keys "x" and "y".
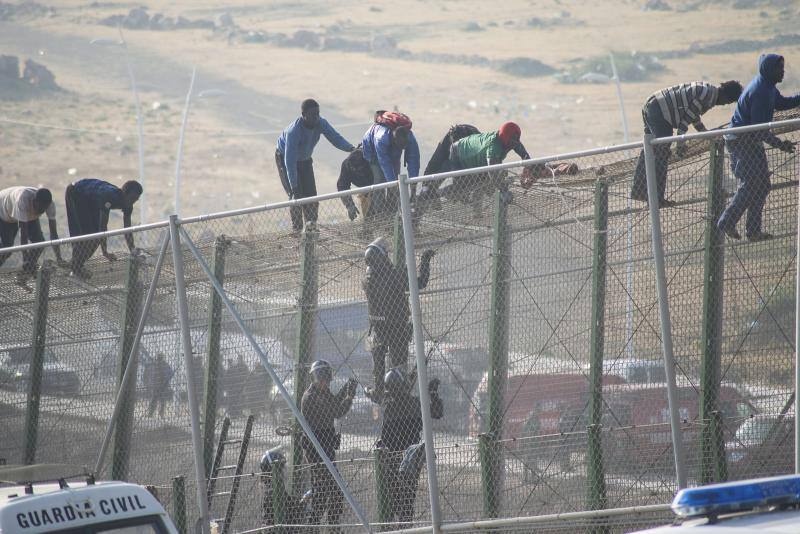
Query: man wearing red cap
{"x": 479, "y": 150}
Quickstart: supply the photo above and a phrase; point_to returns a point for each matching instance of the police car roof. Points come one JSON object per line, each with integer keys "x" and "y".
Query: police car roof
{"x": 763, "y": 504}
{"x": 50, "y": 507}
{"x": 779, "y": 522}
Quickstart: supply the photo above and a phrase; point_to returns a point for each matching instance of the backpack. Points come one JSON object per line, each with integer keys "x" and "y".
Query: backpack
{"x": 460, "y": 131}
{"x": 392, "y": 119}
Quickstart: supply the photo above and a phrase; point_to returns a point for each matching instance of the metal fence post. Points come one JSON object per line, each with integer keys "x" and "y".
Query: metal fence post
{"x": 130, "y": 372}
{"x": 179, "y": 503}
{"x": 186, "y": 345}
{"x": 397, "y": 242}
{"x": 37, "y": 361}
{"x": 382, "y": 491}
{"x": 491, "y": 454}
{"x": 797, "y": 337}
{"x": 131, "y": 312}
{"x": 304, "y": 351}
{"x": 712, "y": 463}
{"x": 213, "y": 366}
{"x": 279, "y": 494}
{"x": 663, "y": 310}
{"x": 419, "y": 351}
{"x": 594, "y": 466}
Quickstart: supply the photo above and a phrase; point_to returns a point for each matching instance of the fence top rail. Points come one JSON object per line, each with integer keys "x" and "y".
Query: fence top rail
{"x": 527, "y": 162}
{"x": 719, "y": 132}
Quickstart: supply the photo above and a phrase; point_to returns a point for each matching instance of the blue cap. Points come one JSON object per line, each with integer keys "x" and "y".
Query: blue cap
{"x": 729, "y": 497}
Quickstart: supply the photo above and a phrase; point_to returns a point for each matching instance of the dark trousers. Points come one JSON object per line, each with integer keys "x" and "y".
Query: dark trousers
{"x": 749, "y": 165}
{"x": 402, "y": 489}
{"x": 383, "y": 202}
{"x": 83, "y": 219}
{"x": 8, "y": 233}
{"x": 460, "y": 187}
{"x": 392, "y": 340}
{"x": 158, "y": 400}
{"x": 326, "y": 495}
{"x": 656, "y": 124}
{"x": 306, "y": 187}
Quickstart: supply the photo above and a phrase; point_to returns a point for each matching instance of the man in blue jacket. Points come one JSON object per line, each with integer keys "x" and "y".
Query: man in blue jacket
{"x": 748, "y": 159}
{"x": 293, "y": 158}
{"x": 384, "y": 144}
{"x": 89, "y": 202}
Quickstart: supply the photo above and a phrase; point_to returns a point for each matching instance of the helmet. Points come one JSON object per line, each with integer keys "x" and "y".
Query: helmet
{"x": 395, "y": 381}
{"x": 269, "y": 458}
{"x": 321, "y": 370}
{"x": 376, "y": 252}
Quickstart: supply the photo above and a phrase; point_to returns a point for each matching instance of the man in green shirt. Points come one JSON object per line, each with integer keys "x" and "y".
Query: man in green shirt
{"x": 479, "y": 150}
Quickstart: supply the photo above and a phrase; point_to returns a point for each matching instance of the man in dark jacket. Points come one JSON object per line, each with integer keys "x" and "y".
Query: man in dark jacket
{"x": 89, "y": 202}
{"x": 757, "y": 104}
{"x": 293, "y": 159}
{"x": 385, "y": 287}
{"x": 320, "y": 407}
{"x": 402, "y": 424}
{"x": 676, "y": 108}
{"x": 355, "y": 172}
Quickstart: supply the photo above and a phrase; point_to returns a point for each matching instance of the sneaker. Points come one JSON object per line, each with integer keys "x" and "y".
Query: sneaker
{"x": 23, "y": 278}
{"x": 730, "y": 231}
{"x": 759, "y": 236}
{"x": 81, "y": 273}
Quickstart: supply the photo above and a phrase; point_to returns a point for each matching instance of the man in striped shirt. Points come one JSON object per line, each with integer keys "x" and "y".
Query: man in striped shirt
{"x": 675, "y": 108}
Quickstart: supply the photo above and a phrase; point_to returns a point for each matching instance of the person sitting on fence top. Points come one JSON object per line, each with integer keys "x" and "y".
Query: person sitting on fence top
{"x": 320, "y": 407}
{"x": 748, "y": 159}
{"x": 400, "y": 431}
{"x": 384, "y": 143}
{"x": 89, "y": 202}
{"x": 293, "y": 159}
{"x": 20, "y": 209}
{"x": 676, "y": 107}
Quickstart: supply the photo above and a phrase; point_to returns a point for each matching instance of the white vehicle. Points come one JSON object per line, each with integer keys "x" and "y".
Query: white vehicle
{"x": 85, "y": 507}
{"x": 768, "y": 505}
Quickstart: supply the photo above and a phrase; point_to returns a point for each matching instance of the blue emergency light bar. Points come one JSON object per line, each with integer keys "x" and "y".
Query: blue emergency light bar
{"x": 729, "y": 497}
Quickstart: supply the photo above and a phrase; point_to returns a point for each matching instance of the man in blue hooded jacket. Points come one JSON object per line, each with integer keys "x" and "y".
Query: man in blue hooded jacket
{"x": 383, "y": 148}
{"x": 293, "y": 158}
{"x": 757, "y": 104}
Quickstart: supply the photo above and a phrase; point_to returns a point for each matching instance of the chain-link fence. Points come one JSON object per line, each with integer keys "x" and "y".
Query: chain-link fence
{"x": 541, "y": 332}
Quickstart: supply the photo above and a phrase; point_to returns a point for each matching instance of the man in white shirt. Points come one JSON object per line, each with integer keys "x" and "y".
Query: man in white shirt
{"x": 20, "y": 209}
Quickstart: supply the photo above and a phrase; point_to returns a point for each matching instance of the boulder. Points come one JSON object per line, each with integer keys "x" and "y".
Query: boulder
{"x": 39, "y": 76}
{"x": 382, "y": 43}
{"x": 656, "y": 5}
{"x": 9, "y": 67}
{"x": 137, "y": 19}
{"x": 224, "y": 20}
{"x": 304, "y": 39}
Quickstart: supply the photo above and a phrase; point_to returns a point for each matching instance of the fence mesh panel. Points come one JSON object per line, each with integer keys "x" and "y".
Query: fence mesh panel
{"x": 541, "y": 331}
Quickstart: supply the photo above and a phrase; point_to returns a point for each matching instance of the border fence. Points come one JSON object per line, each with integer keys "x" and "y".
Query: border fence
{"x": 556, "y": 348}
